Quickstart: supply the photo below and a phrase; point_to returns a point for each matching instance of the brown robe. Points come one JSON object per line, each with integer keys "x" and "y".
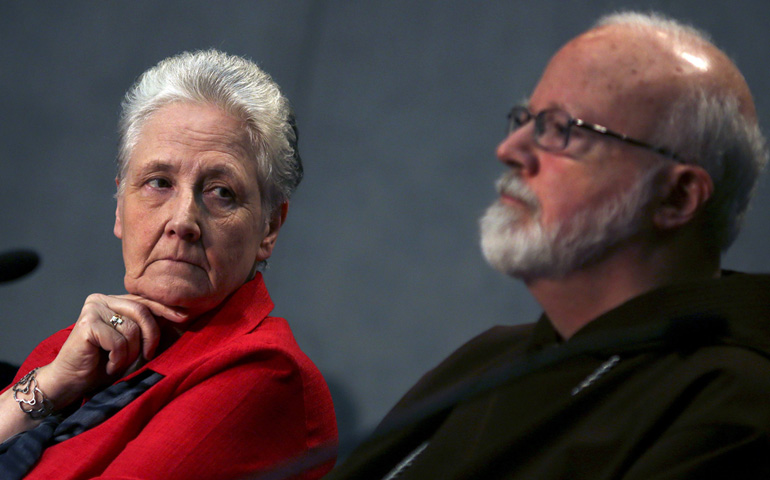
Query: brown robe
{"x": 674, "y": 384}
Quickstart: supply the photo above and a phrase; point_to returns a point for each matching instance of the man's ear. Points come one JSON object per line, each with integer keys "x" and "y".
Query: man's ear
{"x": 272, "y": 226}
{"x": 685, "y": 190}
{"x": 118, "y": 229}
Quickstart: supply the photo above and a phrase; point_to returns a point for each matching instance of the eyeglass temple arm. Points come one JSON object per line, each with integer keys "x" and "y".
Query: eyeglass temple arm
{"x": 625, "y": 138}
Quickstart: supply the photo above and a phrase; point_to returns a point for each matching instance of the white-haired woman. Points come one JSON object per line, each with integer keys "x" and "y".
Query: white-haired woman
{"x": 186, "y": 375}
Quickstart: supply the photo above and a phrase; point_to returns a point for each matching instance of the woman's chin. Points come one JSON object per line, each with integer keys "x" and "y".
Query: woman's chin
{"x": 193, "y": 299}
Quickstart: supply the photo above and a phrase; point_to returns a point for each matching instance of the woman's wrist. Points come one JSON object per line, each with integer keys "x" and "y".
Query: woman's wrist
{"x": 30, "y": 397}
{"x": 59, "y": 391}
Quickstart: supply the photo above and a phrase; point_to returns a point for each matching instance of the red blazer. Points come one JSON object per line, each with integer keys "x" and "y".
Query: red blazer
{"x": 238, "y": 396}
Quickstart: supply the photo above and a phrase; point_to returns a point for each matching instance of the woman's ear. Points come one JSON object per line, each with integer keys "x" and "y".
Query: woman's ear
{"x": 685, "y": 190}
{"x": 272, "y": 226}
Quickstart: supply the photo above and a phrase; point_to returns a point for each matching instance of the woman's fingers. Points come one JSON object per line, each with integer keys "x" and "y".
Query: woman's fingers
{"x": 148, "y": 323}
{"x": 124, "y": 342}
{"x": 136, "y": 322}
{"x": 176, "y": 315}
{"x": 118, "y": 325}
{"x": 123, "y": 346}
{"x": 114, "y": 334}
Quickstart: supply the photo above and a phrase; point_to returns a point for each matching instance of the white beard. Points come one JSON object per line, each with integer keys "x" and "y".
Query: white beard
{"x": 516, "y": 243}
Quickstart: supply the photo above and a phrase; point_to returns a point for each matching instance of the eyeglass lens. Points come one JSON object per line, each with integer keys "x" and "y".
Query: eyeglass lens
{"x": 552, "y": 129}
{"x": 552, "y": 126}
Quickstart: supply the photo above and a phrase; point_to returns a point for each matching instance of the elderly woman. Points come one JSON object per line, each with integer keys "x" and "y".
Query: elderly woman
{"x": 186, "y": 376}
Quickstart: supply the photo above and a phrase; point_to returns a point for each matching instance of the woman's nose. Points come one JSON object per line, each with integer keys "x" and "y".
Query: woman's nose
{"x": 185, "y": 218}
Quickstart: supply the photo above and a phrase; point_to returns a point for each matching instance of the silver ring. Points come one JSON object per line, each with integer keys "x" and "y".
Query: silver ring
{"x": 116, "y": 320}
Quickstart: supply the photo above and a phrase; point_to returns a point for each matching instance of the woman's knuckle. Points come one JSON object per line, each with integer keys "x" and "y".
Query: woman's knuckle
{"x": 87, "y": 319}
{"x": 94, "y": 297}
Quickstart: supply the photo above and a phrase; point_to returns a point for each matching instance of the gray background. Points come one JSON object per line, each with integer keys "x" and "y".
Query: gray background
{"x": 400, "y": 105}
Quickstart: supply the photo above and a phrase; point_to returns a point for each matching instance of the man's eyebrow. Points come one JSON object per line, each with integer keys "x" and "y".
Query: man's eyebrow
{"x": 551, "y": 104}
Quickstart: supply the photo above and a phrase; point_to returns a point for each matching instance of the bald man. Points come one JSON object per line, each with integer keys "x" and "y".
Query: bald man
{"x": 629, "y": 170}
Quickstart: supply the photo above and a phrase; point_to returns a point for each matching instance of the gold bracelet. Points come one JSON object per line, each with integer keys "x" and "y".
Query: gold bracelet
{"x": 37, "y": 406}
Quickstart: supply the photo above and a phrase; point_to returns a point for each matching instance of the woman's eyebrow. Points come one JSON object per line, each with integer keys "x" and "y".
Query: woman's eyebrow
{"x": 157, "y": 166}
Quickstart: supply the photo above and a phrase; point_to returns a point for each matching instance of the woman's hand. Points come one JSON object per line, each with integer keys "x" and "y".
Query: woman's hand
{"x": 96, "y": 353}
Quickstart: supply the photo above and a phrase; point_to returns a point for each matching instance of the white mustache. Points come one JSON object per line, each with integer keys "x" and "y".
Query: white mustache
{"x": 511, "y": 185}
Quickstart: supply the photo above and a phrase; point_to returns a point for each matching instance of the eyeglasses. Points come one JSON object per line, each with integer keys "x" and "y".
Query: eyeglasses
{"x": 553, "y": 127}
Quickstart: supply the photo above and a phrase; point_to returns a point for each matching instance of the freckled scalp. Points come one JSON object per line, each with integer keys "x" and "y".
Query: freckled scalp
{"x": 677, "y": 90}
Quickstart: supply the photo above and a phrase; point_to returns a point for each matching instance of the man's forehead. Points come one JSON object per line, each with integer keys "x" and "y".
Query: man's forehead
{"x": 609, "y": 70}
{"x": 616, "y": 56}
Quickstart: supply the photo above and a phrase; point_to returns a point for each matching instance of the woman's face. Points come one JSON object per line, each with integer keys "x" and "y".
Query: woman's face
{"x": 189, "y": 214}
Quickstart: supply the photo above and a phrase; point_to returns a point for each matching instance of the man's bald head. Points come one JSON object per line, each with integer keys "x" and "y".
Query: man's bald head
{"x": 675, "y": 54}
{"x": 665, "y": 83}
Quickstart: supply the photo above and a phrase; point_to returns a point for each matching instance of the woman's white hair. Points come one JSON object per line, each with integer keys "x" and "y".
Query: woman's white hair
{"x": 241, "y": 89}
{"x": 706, "y": 127}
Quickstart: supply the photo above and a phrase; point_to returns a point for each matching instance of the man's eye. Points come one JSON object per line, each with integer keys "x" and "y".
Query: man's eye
{"x": 561, "y": 128}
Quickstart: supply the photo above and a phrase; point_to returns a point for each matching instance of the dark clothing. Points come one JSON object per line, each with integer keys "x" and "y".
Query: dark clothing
{"x": 674, "y": 384}
{"x": 7, "y": 373}
{"x": 21, "y": 452}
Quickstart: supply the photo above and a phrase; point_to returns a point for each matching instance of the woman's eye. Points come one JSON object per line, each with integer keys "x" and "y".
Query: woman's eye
{"x": 159, "y": 183}
{"x": 223, "y": 193}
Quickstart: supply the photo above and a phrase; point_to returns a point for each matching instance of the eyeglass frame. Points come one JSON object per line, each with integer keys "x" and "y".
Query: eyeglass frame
{"x": 540, "y": 116}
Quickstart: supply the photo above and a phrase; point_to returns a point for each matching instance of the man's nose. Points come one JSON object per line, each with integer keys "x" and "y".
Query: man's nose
{"x": 518, "y": 150}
